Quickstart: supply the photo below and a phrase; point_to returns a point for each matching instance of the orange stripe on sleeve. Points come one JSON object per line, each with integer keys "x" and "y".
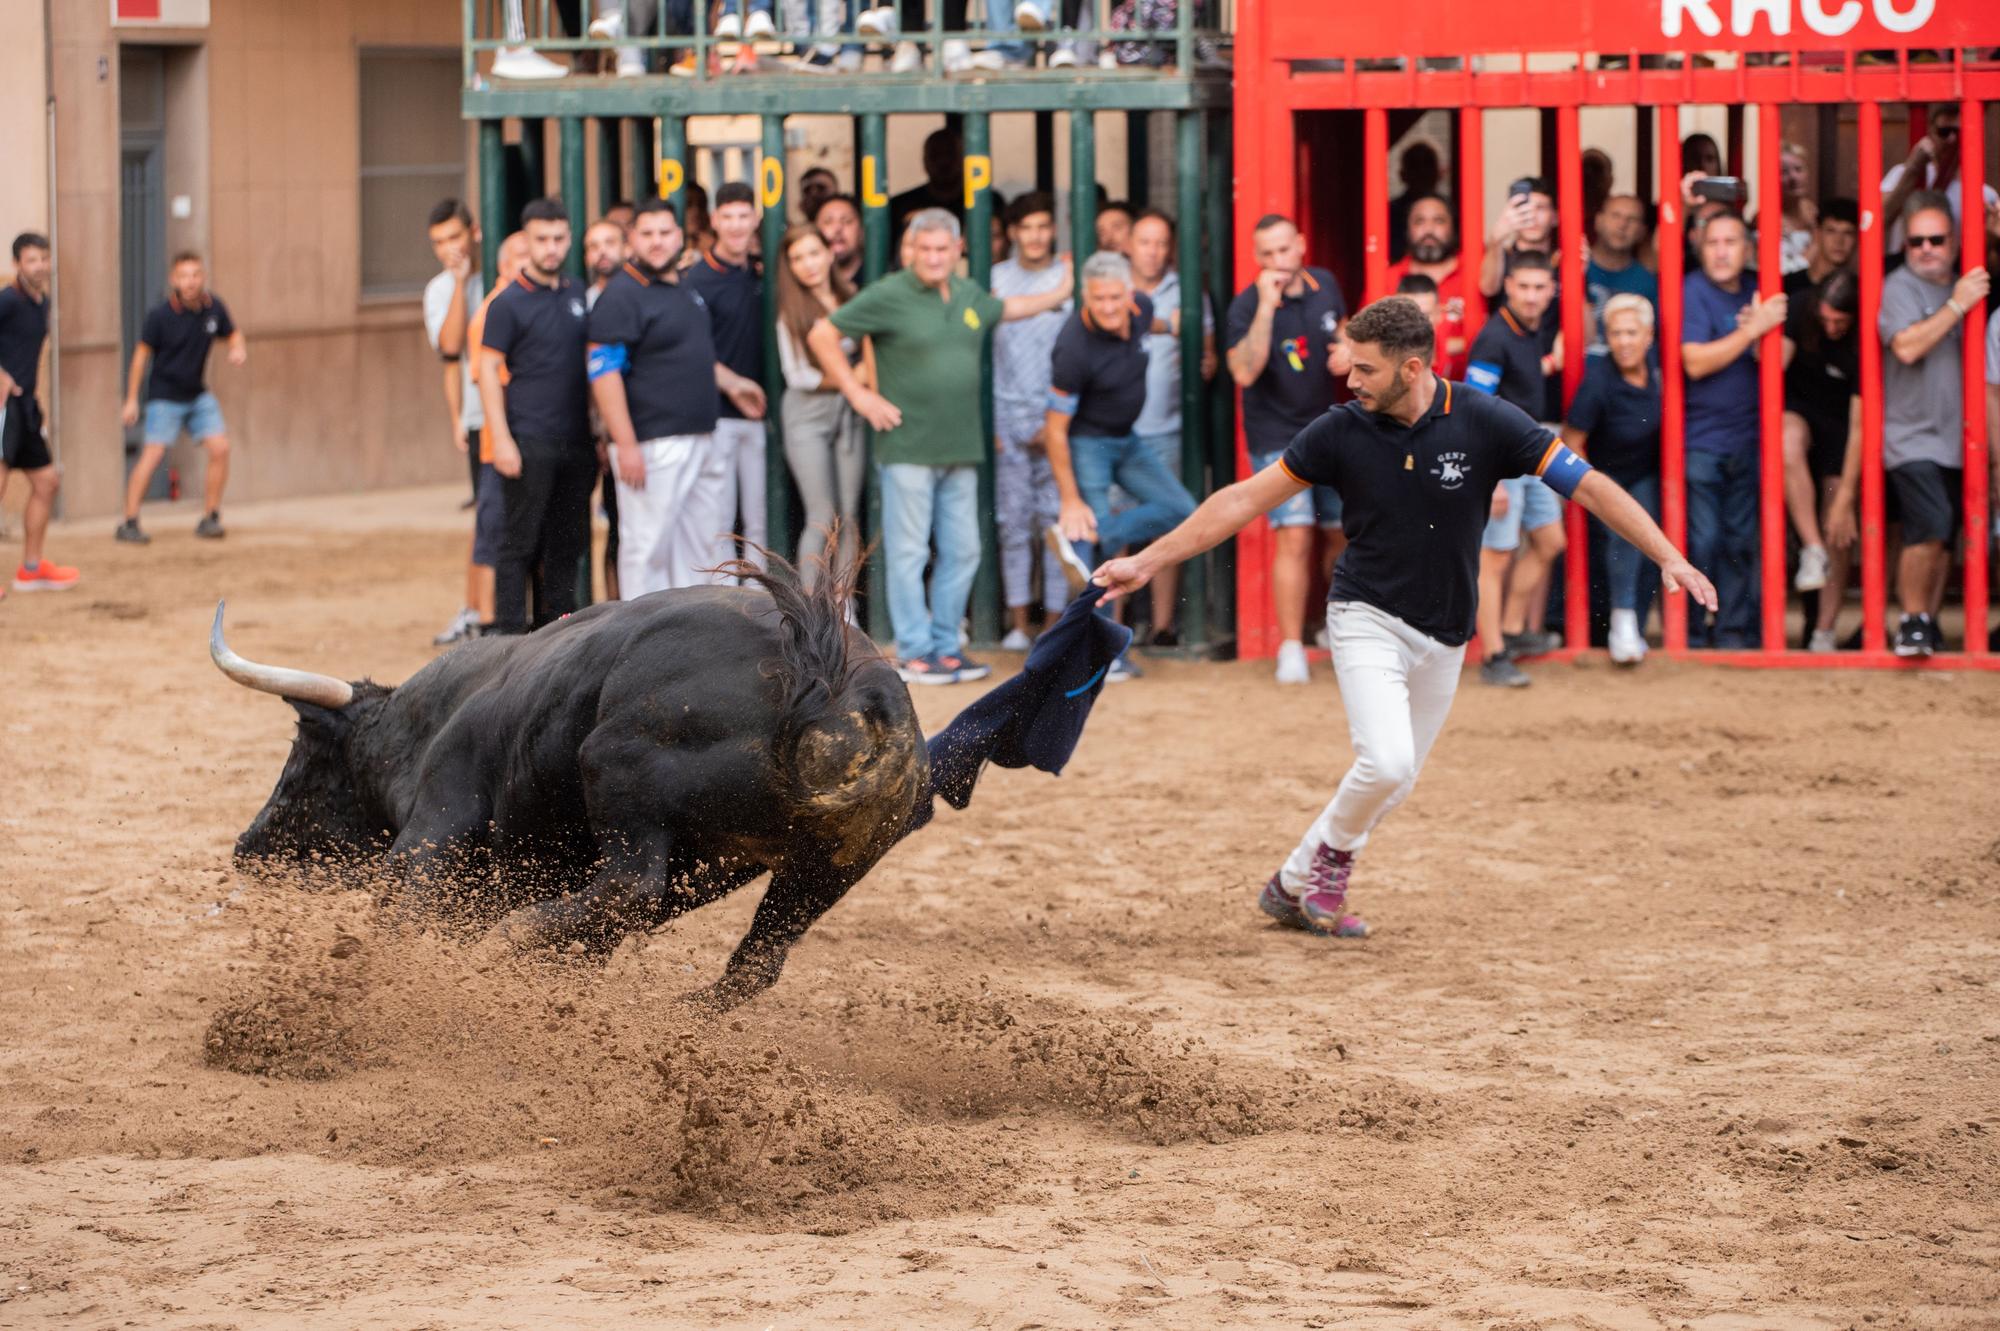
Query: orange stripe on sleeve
{"x": 1289, "y": 472}
{"x": 1548, "y": 457}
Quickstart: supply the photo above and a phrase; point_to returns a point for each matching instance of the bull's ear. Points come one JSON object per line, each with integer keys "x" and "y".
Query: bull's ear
{"x": 314, "y": 717}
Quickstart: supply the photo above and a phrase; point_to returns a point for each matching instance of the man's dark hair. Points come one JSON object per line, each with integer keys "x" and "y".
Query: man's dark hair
{"x": 545, "y": 210}
{"x": 1530, "y": 261}
{"x": 1840, "y": 290}
{"x": 1034, "y": 201}
{"x": 820, "y": 207}
{"x": 734, "y": 191}
{"x": 1156, "y": 215}
{"x": 1395, "y": 324}
{"x": 1930, "y": 201}
{"x": 1840, "y": 210}
{"x": 1538, "y": 185}
{"x": 826, "y": 171}
{"x": 1115, "y": 206}
{"x": 1943, "y": 109}
{"x": 697, "y": 192}
{"x": 185, "y": 256}
{"x": 656, "y": 205}
{"x": 1416, "y": 284}
{"x": 1269, "y": 220}
{"x": 29, "y": 240}
{"x": 447, "y": 209}
{"x": 616, "y": 204}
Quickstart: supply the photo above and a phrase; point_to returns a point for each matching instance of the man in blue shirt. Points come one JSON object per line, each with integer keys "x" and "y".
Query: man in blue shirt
{"x": 1614, "y": 268}
{"x": 1415, "y": 458}
{"x": 1722, "y": 322}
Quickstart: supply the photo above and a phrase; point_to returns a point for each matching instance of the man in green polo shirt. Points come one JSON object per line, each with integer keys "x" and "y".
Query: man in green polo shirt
{"x": 929, "y": 327}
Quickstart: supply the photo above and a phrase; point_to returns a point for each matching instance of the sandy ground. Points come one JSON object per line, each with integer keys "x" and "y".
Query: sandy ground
{"x": 1680, "y": 1012}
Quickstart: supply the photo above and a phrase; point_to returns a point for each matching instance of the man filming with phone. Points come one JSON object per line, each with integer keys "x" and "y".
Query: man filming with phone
{"x": 1527, "y": 224}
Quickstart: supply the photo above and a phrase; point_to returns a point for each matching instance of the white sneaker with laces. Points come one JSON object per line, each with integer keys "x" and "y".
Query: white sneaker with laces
{"x": 1812, "y": 569}
{"x": 907, "y": 59}
{"x": 1292, "y": 667}
{"x": 1063, "y": 57}
{"x": 1031, "y": 17}
{"x": 877, "y": 22}
{"x": 729, "y": 28}
{"x": 1627, "y": 643}
{"x": 759, "y": 28}
{"x": 608, "y": 27}
{"x": 631, "y": 63}
{"x": 991, "y": 60}
{"x": 1822, "y": 641}
{"x": 525, "y": 64}
{"x": 1107, "y": 59}
{"x": 847, "y": 62}
{"x": 1017, "y": 640}
{"x": 957, "y": 57}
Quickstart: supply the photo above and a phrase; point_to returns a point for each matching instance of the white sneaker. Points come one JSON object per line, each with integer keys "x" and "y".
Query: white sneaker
{"x": 1627, "y": 643}
{"x": 759, "y": 28}
{"x": 729, "y": 28}
{"x": 1812, "y": 569}
{"x": 1107, "y": 59}
{"x": 1321, "y": 638}
{"x": 1063, "y": 57}
{"x": 522, "y": 63}
{"x": 608, "y": 27}
{"x": 631, "y": 63}
{"x": 989, "y": 60}
{"x": 1031, "y": 17}
{"x": 957, "y": 57}
{"x": 1017, "y": 640}
{"x": 463, "y": 625}
{"x": 1292, "y": 667}
{"x": 907, "y": 59}
{"x": 1823, "y": 640}
{"x": 847, "y": 62}
{"x": 877, "y": 22}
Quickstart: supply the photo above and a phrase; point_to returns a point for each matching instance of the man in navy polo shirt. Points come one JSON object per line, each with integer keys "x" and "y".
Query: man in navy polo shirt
{"x": 176, "y": 338}
{"x": 654, "y": 375}
{"x": 1722, "y": 322}
{"x": 1285, "y": 350}
{"x": 1097, "y": 387}
{"x": 540, "y": 423}
{"x": 1416, "y": 459}
{"x": 24, "y": 326}
{"x": 725, "y": 279}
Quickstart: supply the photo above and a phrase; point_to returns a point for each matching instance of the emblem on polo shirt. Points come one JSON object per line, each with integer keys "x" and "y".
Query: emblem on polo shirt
{"x": 211, "y": 327}
{"x": 576, "y": 308}
{"x": 1328, "y": 322}
{"x": 971, "y": 318}
{"x": 1450, "y": 470}
{"x": 1295, "y": 353}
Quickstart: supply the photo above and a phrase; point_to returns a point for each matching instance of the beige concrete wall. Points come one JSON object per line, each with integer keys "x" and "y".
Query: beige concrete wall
{"x": 339, "y": 394}
{"x": 24, "y": 193}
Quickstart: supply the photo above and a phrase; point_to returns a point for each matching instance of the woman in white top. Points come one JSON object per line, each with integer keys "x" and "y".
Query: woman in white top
{"x": 823, "y": 442}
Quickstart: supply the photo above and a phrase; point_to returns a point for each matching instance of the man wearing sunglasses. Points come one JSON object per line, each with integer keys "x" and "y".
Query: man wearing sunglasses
{"x": 1923, "y": 411}
{"x": 1931, "y": 166}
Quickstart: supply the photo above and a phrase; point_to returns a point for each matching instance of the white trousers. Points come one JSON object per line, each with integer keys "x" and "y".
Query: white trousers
{"x": 1397, "y": 685}
{"x": 742, "y": 442}
{"x": 666, "y": 532}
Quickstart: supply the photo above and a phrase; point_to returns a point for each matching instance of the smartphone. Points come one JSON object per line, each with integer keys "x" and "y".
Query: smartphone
{"x": 1521, "y": 188}
{"x": 1721, "y": 189}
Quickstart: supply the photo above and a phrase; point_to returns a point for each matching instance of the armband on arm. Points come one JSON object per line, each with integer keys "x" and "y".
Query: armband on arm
{"x": 1063, "y": 404}
{"x": 607, "y": 359}
{"x": 1562, "y": 470}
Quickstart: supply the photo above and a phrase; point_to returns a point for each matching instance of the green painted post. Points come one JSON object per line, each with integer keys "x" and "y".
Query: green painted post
{"x": 1221, "y": 242}
{"x": 493, "y": 226}
{"x": 575, "y": 177}
{"x": 1082, "y": 192}
{"x": 645, "y": 162}
{"x": 872, "y": 174}
{"x": 771, "y": 186}
{"x": 979, "y": 251}
{"x": 1188, "y": 162}
{"x": 610, "y": 161}
{"x": 670, "y": 182}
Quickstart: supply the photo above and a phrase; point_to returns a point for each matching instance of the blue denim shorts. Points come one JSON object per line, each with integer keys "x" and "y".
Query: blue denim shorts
{"x": 201, "y": 418}
{"x": 1319, "y": 506}
{"x": 1531, "y": 506}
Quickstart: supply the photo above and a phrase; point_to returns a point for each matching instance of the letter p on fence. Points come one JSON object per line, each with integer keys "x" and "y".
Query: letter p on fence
{"x": 978, "y": 176}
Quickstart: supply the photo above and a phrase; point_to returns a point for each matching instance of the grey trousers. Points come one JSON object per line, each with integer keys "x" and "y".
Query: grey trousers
{"x": 823, "y": 447}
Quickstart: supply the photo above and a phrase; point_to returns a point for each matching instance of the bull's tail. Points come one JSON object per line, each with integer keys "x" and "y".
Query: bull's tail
{"x": 839, "y": 746}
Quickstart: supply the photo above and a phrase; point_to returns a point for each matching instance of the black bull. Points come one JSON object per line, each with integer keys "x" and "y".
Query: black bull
{"x": 616, "y": 769}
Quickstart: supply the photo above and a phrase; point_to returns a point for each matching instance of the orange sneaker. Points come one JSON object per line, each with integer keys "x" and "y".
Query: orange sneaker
{"x": 48, "y": 576}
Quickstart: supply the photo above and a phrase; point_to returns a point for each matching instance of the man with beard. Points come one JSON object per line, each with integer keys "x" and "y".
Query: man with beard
{"x": 838, "y": 218}
{"x": 1416, "y": 459}
{"x": 604, "y": 252}
{"x": 1432, "y": 251}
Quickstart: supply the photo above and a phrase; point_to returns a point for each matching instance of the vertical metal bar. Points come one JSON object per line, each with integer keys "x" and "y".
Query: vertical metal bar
{"x": 1045, "y": 151}
{"x": 610, "y": 161}
{"x": 1471, "y": 211}
{"x": 1643, "y": 174}
{"x": 1733, "y": 161}
{"x": 534, "y": 155}
{"x": 1873, "y": 583}
{"x": 1569, "y": 213}
{"x": 645, "y": 160}
{"x": 492, "y": 196}
{"x": 978, "y": 182}
{"x": 1082, "y": 190}
{"x": 1184, "y": 41}
{"x": 872, "y": 172}
{"x": 1972, "y": 184}
{"x": 1673, "y": 388}
{"x": 1771, "y": 385}
{"x": 701, "y": 43}
{"x": 575, "y": 189}
{"x": 670, "y": 172}
{"x": 1375, "y": 202}
{"x": 1219, "y": 206}
{"x": 1192, "y": 613}
{"x": 771, "y": 186}
{"x": 1266, "y": 137}
{"x": 1138, "y": 160}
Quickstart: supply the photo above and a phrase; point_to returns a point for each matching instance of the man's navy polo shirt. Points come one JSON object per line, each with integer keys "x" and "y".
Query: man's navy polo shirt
{"x": 670, "y": 354}
{"x": 1295, "y": 386}
{"x": 1722, "y": 410}
{"x": 24, "y": 323}
{"x": 180, "y": 336}
{"x": 540, "y": 331}
{"x": 735, "y": 299}
{"x": 1506, "y": 360}
{"x": 1105, "y": 373}
{"x": 1415, "y": 499}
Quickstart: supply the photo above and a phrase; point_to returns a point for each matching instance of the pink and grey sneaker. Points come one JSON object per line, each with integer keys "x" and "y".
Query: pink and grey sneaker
{"x": 1320, "y": 909}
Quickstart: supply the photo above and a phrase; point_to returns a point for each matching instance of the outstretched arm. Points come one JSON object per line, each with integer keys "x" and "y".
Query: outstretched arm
{"x": 1223, "y": 514}
{"x": 1621, "y": 512}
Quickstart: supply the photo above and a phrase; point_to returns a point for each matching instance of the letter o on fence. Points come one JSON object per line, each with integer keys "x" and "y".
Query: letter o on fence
{"x": 771, "y": 174}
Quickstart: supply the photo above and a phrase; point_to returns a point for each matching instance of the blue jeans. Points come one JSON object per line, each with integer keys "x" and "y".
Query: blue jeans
{"x": 1161, "y": 502}
{"x": 1625, "y": 569}
{"x": 1722, "y": 542}
{"x": 917, "y": 503}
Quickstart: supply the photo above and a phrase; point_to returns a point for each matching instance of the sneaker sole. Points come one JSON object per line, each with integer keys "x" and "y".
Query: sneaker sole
{"x": 1075, "y": 572}
{"x": 42, "y": 585}
{"x": 911, "y": 677}
{"x": 1280, "y": 910}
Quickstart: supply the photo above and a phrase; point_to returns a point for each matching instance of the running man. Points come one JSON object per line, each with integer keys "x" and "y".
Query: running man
{"x": 1415, "y": 458}
{"x": 176, "y": 338}
{"x": 24, "y": 447}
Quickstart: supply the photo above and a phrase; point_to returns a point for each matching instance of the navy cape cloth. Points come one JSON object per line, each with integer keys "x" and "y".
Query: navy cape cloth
{"x": 1035, "y": 718}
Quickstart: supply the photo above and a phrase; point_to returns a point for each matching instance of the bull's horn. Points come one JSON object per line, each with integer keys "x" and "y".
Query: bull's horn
{"x": 302, "y": 685}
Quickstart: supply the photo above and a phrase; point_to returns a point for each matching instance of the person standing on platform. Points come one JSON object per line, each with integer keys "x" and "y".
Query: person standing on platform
{"x": 450, "y": 297}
